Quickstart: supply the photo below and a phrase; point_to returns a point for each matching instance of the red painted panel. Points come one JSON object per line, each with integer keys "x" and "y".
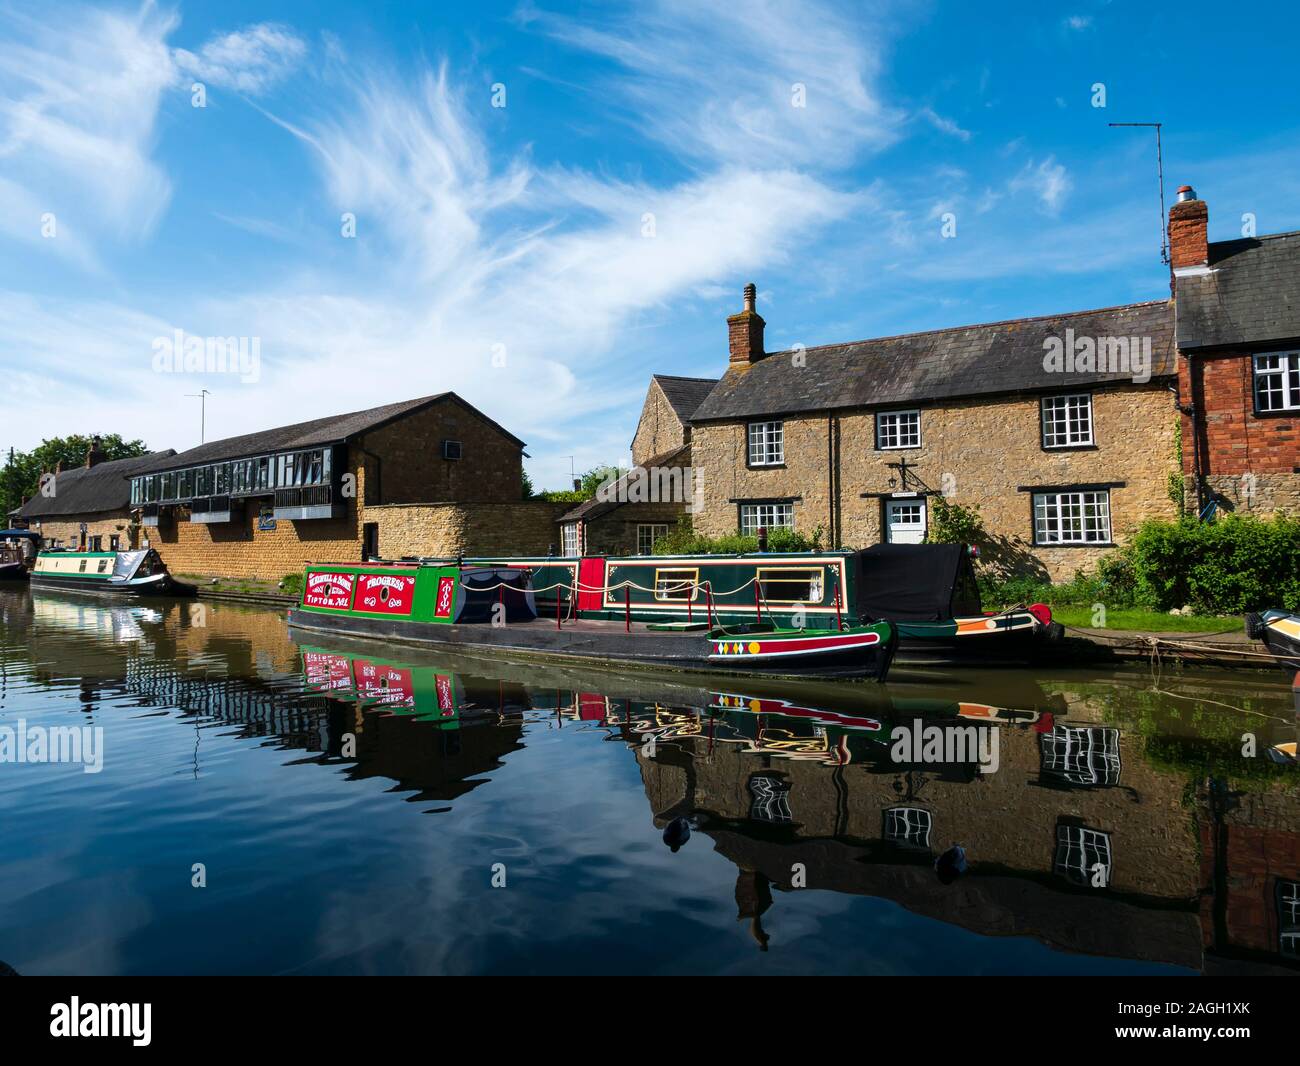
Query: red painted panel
{"x": 388, "y": 685}
{"x": 446, "y": 590}
{"x": 328, "y": 589}
{"x": 591, "y": 578}
{"x": 326, "y": 673}
{"x": 385, "y": 593}
{"x": 446, "y": 694}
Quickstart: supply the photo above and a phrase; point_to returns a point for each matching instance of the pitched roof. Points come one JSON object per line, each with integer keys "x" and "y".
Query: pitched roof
{"x": 1250, "y": 294}
{"x": 102, "y": 487}
{"x": 595, "y": 507}
{"x": 317, "y": 432}
{"x": 992, "y": 358}
{"x": 685, "y": 394}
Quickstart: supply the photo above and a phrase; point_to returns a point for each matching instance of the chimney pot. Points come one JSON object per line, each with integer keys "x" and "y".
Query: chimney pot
{"x": 745, "y": 332}
{"x": 1189, "y": 250}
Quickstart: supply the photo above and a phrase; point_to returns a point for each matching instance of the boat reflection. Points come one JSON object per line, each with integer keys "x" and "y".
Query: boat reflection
{"x": 1119, "y": 819}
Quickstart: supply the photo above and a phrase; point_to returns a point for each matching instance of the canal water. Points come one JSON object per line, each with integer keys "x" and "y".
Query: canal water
{"x": 249, "y": 801}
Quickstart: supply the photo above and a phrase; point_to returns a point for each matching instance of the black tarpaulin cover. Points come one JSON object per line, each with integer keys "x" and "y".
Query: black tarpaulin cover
{"x": 916, "y": 582}
{"x": 482, "y": 588}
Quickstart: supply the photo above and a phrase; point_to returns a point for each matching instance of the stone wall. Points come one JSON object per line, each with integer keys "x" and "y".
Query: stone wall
{"x": 411, "y": 468}
{"x": 66, "y": 530}
{"x": 526, "y": 527}
{"x": 976, "y": 452}
{"x": 659, "y": 429}
{"x": 1248, "y": 458}
{"x": 615, "y": 532}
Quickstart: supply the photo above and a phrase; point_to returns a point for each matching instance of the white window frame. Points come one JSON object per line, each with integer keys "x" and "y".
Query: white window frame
{"x": 570, "y": 540}
{"x": 1062, "y": 518}
{"x": 657, "y": 530}
{"x": 1060, "y": 423}
{"x": 1288, "y": 918}
{"x": 759, "y": 515}
{"x": 1281, "y": 371}
{"x": 891, "y": 427}
{"x": 909, "y": 827}
{"x": 766, "y": 443}
{"x": 1075, "y": 846}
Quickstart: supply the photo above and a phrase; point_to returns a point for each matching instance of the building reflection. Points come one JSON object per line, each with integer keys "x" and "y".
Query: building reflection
{"x": 1091, "y": 836}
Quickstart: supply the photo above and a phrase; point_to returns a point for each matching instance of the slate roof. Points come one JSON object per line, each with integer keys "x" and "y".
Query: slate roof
{"x": 943, "y": 364}
{"x": 104, "y": 487}
{"x": 1250, "y": 295}
{"x": 594, "y": 508}
{"x": 317, "y": 432}
{"x": 685, "y": 394}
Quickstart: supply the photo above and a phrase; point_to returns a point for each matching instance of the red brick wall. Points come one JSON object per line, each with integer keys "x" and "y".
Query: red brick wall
{"x": 1234, "y": 441}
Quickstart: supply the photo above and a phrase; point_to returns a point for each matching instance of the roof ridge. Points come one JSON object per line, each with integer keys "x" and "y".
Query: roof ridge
{"x": 1261, "y": 237}
{"x": 683, "y": 377}
{"x": 972, "y": 325}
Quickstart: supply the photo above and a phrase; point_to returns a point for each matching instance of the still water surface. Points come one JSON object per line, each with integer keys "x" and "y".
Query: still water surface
{"x": 355, "y": 807}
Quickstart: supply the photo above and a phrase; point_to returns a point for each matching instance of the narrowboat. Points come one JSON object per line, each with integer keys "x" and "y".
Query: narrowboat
{"x": 1280, "y": 632}
{"x": 928, "y": 592}
{"x": 18, "y": 548}
{"x": 494, "y": 608}
{"x": 132, "y": 573}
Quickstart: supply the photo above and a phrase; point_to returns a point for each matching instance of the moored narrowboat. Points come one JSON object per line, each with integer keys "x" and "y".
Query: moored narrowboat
{"x": 1280, "y": 632}
{"x": 130, "y": 573}
{"x": 495, "y": 608}
{"x": 18, "y": 548}
{"x": 928, "y": 592}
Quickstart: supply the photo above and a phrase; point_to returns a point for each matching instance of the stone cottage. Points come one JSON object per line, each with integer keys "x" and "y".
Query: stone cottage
{"x": 628, "y": 516}
{"x": 1062, "y": 429}
{"x": 88, "y": 507}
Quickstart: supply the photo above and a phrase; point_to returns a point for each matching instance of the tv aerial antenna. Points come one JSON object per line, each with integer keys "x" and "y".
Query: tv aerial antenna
{"x": 1160, "y": 174}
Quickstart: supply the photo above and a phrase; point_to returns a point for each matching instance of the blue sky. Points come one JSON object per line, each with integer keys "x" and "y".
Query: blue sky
{"x": 505, "y": 251}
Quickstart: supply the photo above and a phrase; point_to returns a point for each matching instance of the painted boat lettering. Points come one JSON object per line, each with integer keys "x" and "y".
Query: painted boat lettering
{"x": 330, "y": 590}
{"x": 386, "y": 594}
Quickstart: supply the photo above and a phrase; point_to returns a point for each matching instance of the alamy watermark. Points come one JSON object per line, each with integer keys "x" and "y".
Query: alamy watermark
{"x": 185, "y": 353}
{"x": 1073, "y": 354}
{"x": 951, "y": 745}
{"x": 657, "y": 484}
{"x": 53, "y": 744}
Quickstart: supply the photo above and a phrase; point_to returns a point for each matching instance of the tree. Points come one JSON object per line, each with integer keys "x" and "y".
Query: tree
{"x": 21, "y": 475}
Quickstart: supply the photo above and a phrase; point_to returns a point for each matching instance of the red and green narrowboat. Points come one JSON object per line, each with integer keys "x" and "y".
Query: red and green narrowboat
{"x": 493, "y": 608}
{"x": 927, "y": 591}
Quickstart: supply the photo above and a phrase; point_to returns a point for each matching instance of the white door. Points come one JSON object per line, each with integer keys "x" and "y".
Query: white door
{"x": 905, "y": 521}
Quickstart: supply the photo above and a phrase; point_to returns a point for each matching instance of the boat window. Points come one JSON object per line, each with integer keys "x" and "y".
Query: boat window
{"x": 103, "y": 565}
{"x": 680, "y": 584}
{"x": 791, "y": 584}
{"x": 82, "y": 568}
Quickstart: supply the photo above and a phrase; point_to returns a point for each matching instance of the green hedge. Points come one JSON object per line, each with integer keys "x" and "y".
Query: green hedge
{"x": 1234, "y": 564}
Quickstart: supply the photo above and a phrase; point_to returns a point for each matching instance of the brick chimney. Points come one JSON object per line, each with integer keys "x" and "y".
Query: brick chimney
{"x": 94, "y": 454}
{"x": 1189, "y": 250}
{"x": 745, "y": 332}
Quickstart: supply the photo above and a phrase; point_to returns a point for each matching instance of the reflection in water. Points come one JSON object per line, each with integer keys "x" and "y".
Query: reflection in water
{"x": 1121, "y": 824}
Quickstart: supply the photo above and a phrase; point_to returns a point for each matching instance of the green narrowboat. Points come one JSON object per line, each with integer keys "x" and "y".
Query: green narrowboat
{"x": 130, "y": 574}
{"x": 495, "y": 608}
{"x": 927, "y": 591}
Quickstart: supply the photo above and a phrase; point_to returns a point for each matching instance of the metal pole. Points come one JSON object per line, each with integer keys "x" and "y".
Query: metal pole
{"x": 627, "y": 608}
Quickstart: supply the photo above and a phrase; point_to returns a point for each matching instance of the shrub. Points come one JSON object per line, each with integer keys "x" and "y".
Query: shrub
{"x": 292, "y": 584}
{"x": 951, "y": 523}
{"x": 683, "y": 540}
{"x": 1235, "y": 564}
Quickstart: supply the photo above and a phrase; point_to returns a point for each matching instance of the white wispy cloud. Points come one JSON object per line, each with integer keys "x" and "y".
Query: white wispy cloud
{"x": 1078, "y": 22}
{"x": 1046, "y": 180}
{"x": 944, "y": 125}
{"x": 250, "y": 60}
{"x": 710, "y": 81}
